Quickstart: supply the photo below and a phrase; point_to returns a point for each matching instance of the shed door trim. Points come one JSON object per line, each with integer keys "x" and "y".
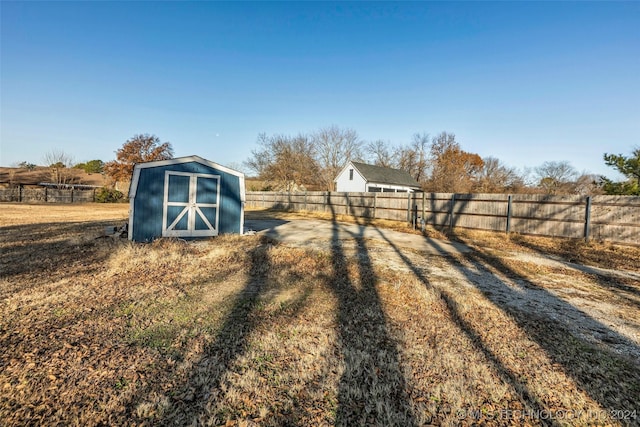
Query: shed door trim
{"x": 192, "y": 208}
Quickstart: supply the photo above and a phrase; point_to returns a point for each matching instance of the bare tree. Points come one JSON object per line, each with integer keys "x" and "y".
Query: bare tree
{"x": 496, "y": 177}
{"x": 414, "y": 158}
{"x": 262, "y": 157}
{"x": 59, "y": 164}
{"x": 334, "y": 147}
{"x": 286, "y": 163}
{"x": 587, "y": 184}
{"x": 379, "y": 154}
{"x": 556, "y": 177}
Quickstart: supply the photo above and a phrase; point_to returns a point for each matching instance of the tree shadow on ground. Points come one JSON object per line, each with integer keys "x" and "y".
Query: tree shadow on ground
{"x": 193, "y": 402}
{"x": 605, "y": 281}
{"x": 52, "y": 250}
{"x": 610, "y": 378}
{"x": 528, "y": 398}
{"x": 372, "y": 388}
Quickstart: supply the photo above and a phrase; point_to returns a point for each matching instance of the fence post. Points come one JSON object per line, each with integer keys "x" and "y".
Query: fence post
{"x": 409, "y": 207}
{"x": 508, "y": 214}
{"x": 347, "y": 206}
{"x": 375, "y": 205}
{"x": 20, "y": 193}
{"x": 587, "y": 219}
{"x": 45, "y": 195}
{"x": 453, "y": 202}
{"x": 423, "y": 211}
{"x": 305, "y": 200}
{"x": 71, "y": 195}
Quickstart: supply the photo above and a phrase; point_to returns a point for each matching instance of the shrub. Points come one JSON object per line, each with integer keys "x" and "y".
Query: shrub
{"x": 108, "y": 195}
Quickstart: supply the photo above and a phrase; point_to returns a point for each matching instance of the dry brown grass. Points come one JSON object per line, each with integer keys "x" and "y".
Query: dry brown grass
{"x": 594, "y": 253}
{"x": 243, "y": 331}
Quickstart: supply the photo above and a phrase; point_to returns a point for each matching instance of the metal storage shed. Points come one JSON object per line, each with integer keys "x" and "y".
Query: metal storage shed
{"x": 186, "y": 197}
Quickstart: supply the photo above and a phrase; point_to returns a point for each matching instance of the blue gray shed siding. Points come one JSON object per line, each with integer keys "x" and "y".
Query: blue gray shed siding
{"x": 146, "y": 204}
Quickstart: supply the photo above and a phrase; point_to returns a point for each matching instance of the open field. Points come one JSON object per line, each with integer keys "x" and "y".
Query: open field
{"x": 241, "y": 330}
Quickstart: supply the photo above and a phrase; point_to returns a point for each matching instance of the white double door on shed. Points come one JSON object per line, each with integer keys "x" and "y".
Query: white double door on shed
{"x": 190, "y": 207}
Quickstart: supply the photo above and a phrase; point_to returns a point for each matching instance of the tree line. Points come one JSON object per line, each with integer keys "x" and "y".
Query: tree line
{"x": 138, "y": 149}
{"x": 311, "y": 161}
{"x": 439, "y": 163}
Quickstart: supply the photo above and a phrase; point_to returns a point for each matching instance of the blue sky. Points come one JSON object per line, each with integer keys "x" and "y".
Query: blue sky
{"x": 524, "y": 82}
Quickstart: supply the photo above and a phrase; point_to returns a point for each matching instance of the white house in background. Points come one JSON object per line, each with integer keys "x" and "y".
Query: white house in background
{"x": 361, "y": 177}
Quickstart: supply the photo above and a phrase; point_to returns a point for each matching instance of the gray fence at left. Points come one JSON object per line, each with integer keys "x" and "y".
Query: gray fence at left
{"x": 35, "y": 195}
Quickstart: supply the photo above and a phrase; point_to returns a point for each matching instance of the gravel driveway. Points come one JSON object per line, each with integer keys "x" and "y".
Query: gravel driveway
{"x": 306, "y": 232}
{"x": 596, "y": 304}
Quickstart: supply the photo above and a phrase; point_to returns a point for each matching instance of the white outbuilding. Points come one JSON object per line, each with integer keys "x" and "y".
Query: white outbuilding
{"x": 361, "y": 177}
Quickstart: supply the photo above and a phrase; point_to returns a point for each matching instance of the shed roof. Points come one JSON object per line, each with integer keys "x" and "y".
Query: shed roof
{"x": 382, "y": 175}
{"x": 197, "y": 159}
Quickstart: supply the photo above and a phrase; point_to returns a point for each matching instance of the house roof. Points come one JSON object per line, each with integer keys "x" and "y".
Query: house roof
{"x": 382, "y": 175}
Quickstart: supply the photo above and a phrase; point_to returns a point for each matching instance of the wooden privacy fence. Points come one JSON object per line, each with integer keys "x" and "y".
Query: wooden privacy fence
{"x": 611, "y": 218}
{"x": 34, "y": 195}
